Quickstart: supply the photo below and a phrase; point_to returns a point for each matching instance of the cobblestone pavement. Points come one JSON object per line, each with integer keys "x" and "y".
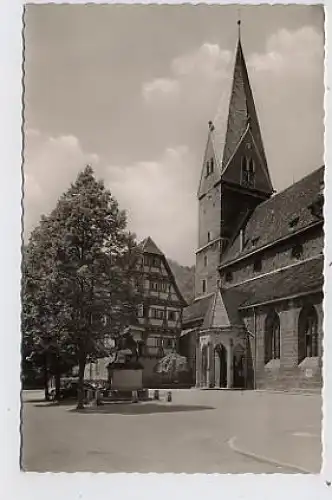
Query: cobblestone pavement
{"x": 199, "y": 431}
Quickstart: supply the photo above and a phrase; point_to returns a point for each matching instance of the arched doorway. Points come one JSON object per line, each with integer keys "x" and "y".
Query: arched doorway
{"x": 239, "y": 367}
{"x": 220, "y": 366}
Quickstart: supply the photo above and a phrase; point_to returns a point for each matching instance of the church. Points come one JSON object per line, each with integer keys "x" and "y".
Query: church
{"x": 257, "y": 318}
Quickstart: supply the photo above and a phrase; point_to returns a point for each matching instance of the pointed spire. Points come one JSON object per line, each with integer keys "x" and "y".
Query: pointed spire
{"x": 236, "y": 116}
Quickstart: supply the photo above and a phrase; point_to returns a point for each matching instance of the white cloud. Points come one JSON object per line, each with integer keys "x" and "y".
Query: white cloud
{"x": 295, "y": 52}
{"x": 190, "y": 75}
{"x": 288, "y": 84}
{"x": 209, "y": 61}
{"x": 50, "y": 165}
{"x": 160, "y": 197}
{"x": 160, "y": 86}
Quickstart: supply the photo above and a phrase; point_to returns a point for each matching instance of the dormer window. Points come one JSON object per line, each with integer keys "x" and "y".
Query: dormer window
{"x": 258, "y": 265}
{"x": 294, "y": 222}
{"x": 297, "y": 251}
{"x": 229, "y": 276}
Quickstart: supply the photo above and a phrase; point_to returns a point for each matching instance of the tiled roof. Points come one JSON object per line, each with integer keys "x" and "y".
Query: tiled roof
{"x": 149, "y": 246}
{"x": 235, "y": 112}
{"x": 236, "y": 105}
{"x": 197, "y": 310}
{"x": 222, "y": 312}
{"x": 279, "y": 216}
{"x": 294, "y": 280}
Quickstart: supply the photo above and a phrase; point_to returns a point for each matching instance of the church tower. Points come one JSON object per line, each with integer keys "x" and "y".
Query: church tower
{"x": 234, "y": 177}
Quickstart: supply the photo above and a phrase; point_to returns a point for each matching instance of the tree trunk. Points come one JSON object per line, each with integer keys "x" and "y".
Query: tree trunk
{"x": 46, "y": 389}
{"x": 57, "y": 378}
{"x": 80, "y": 392}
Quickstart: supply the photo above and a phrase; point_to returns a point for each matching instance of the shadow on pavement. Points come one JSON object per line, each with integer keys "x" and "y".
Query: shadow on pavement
{"x": 140, "y": 409}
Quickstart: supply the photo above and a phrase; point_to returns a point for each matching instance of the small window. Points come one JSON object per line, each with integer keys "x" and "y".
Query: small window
{"x": 155, "y": 261}
{"x": 157, "y": 313}
{"x": 207, "y": 169}
{"x": 154, "y": 285}
{"x": 203, "y": 286}
{"x": 255, "y": 241}
{"x": 209, "y": 236}
{"x": 211, "y": 166}
{"x": 258, "y": 265}
{"x": 229, "y": 276}
{"x": 205, "y": 260}
{"x": 218, "y": 283}
{"x": 297, "y": 251}
{"x": 171, "y": 315}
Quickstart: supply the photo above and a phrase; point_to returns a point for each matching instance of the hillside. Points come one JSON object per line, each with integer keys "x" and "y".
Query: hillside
{"x": 185, "y": 278}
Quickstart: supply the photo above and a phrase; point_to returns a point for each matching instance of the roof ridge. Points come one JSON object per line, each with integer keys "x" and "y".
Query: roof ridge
{"x": 278, "y": 193}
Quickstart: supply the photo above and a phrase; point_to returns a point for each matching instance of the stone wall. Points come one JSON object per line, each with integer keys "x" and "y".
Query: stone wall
{"x": 285, "y": 373}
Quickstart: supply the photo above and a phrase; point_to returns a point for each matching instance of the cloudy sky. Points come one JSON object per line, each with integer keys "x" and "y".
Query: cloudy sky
{"x": 130, "y": 90}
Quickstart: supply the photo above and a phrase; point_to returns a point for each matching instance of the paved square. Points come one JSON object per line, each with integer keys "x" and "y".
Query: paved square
{"x": 199, "y": 431}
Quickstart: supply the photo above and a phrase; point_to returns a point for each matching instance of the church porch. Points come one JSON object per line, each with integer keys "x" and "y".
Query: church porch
{"x": 222, "y": 359}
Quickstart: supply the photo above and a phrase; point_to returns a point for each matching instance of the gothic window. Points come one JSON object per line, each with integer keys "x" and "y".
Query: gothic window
{"x": 308, "y": 333}
{"x": 207, "y": 169}
{"x": 244, "y": 171}
{"x": 203, "y": 286}
{"x": 272, "y": 336}
{"x": 211, "y": 165}
{"x": 209, "y": 236}
{"x": 247, "y": 171}
{"x": 251, "y": 171}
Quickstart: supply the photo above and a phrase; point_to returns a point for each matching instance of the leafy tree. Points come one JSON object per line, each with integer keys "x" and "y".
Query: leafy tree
{"x": 88, "y": 258}
{"x": 44, "y": 319}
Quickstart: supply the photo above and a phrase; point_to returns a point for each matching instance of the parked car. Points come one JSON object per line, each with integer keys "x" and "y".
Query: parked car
{"x": 68, "y": 389}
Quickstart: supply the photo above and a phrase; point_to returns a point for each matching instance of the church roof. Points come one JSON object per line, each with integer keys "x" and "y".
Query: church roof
{"x": 222, "y": 312}
{"x": 197, "y": 310}
{"x": 301, "y": 278}
{"x": 278, "y": 217}
{"x": 236, "y": 114}
{"x": 148, "y": 246}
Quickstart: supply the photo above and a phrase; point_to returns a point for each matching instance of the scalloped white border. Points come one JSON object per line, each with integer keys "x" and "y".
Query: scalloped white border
{"x": 15, "y": 484}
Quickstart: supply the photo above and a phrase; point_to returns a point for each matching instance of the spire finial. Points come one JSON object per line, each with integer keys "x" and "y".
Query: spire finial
{"x": 239, "y": 24}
